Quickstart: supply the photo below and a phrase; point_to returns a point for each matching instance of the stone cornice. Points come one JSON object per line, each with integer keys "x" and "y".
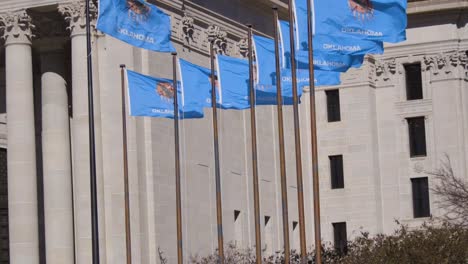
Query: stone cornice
{"x": 435, "y": 6}
{"x": 16, "y": 27}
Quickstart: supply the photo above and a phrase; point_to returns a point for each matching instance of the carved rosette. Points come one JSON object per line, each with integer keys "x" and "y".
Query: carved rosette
{"x": 218, "y": 38}
{"x": 75, "y": 15}
{"x": 243, "y": 47}
{"x": 187, "y": 28}
{"x": 385, "y": 69}
{"x": 16, "y": 27}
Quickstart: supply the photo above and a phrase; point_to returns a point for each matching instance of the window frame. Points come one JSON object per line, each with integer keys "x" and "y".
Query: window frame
{"x": 333, "y": 107}
{"x": 336, "y": 175}
{"x": 420, "y": 197}
{"x": 413, "y": 140}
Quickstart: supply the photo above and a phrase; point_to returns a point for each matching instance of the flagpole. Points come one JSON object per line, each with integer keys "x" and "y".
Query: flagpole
{"x": 125, "y": 165}
{"x": 284, "y": 185}
{"x": 92, "y": 144}
{"x": 219, "y": 211}
{"x": 313, "y": 128}
{"x": 180, "y": 256}
{"x": 297, "y": 136}
{"x": 253, "y": 129}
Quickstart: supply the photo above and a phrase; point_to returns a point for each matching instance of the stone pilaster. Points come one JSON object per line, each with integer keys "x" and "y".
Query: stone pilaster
{"x": 74, "y": 14}
{"x": 22, "y": 183}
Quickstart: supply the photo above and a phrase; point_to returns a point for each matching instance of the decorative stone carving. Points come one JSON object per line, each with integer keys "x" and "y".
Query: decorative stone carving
{"x": 75, "y": 15}
{"x": 16, "y": 27}
{"x": 188, "y": 28}
{"x": 243, "y": 46}
{"x": 385, "y": 69}
{"x": 447, "y": 61}
{"x": 218, "y": 38}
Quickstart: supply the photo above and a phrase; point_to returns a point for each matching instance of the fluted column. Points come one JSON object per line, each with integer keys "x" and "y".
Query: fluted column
{"x": 74, "y": 13}
{"x": 56, "y": 160}
{"x": 22, "y": 188}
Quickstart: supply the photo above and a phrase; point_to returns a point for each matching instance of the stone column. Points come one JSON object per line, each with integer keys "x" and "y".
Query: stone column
{"x": 56, "y": 160}
{"x": 74, "y": 13}
{"x": 22, "y": 188}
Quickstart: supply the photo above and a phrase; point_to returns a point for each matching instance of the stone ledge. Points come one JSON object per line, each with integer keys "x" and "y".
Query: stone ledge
{"x": 425, "y": 6}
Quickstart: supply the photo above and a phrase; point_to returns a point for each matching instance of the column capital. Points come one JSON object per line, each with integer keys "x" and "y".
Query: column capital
{"x": 16, "y": 27}
{"x": 75, "y": 15}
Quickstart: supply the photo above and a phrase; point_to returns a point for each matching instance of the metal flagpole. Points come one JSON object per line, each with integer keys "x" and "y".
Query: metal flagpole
{"x": 284, "y": 185}
{"x": 219, "y": 211}
{"x": 297, "y": 134}
{"x": 92, "y": 146}
{"x": 125, "y": 162}
{"x": 253, "y": 129}
{"x": 313, "y": 127}
{"x": 180, "y": 256}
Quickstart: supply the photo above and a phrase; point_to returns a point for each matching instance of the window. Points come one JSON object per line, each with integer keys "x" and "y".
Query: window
{"x": 414, "y": 89}
{"x": 421, "y": 207}
{"x": 340, "y": 237}
{"x": 333, "y": 105}
{"x": 336, "y": 172}
{"x": 417, "y": 136}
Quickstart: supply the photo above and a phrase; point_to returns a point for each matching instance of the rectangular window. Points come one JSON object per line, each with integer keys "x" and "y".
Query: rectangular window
{"x": 340, "y": 237}
{"x": 333, "y": 105}
{"x": 414, "y": 89}
{"x": 421, "y": 207}
{"x": 336, "y": 171}
{"x": 417, "y": 136}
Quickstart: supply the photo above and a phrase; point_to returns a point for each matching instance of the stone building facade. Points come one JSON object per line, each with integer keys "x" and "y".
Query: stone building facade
{"x": 44, "y": 196}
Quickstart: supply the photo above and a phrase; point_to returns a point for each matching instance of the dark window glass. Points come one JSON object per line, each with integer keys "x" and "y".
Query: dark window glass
{"x": 333, "y": 105}
{"x": 340, "y": 237}
{"x": 336, "y": 171}
{"x": 421, "y": 207}
{"x": 417, "y": 136}
{"x": 236, "y": 215}
{"x": 4, "y": 242}
{"x": 414, "y": 89}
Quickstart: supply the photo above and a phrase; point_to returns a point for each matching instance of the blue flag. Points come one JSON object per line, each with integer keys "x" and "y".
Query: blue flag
{"x": 154, "y": 97}
{"x": 336, "y": 42}
{"x": 196, "y": 83}
{"x": 233, "y": 78}
{"x": 234, "y": 86}
{"x": 137, "y": 23}
{"x": 322, "y": 60}
{"x": 382, "y": 20}
{"x": 266, "y": 70}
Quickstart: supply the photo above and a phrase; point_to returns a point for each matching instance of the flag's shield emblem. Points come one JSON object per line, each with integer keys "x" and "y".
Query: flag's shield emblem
{"x": 361, "y": 9}
{"x": 138, "y": 11}
{"x": 165, "y": 91}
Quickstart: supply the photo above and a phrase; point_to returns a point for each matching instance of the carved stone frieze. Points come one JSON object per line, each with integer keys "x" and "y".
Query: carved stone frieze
{"x": 385, "y": 69}
{"x": 16, "y": 27}
{"x": 243, "y": 47}
{"x": 187, "y": 28}
{"x": 218, "y": 37}
{"x": 75, "y": 14}
{"x": 445, "y": 62}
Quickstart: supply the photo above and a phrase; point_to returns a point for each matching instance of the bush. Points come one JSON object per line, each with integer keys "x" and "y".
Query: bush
{"x": 430, "y": 244}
